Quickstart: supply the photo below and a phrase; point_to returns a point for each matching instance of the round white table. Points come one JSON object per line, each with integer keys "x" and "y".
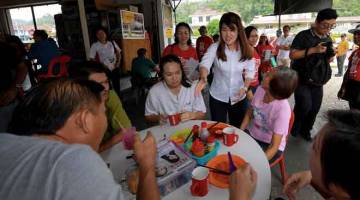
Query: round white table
{"x": 246, "y": 147}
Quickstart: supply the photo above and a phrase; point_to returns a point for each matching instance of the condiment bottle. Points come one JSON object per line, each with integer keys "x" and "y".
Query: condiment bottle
{"x": 210, "y": 143}
{"x": 195, "y": 131}
{"x": 198, "y": 148}
{"x": 204, "y": 134}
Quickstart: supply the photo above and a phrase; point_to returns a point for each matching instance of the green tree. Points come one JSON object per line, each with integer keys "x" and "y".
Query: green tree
{"x": 213, "y": 27}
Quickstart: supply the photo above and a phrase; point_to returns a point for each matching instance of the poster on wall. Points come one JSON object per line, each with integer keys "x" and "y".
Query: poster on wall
{"x": 132, "y": 25}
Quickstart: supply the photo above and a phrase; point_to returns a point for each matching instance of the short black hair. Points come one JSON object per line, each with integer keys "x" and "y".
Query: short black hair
{"x": 326, "y": 14}
{"x": 248, "y": 30}
{"x": 141, "y": 52}
{"x": 286, "y": 26}
{"x": 13, "y": 39}
{"x": 47, "y": 106}
{"x": 101, "y": 28}
{"x": 41, "y": 33}
{"x": 340, "y": 150}
{"x": 186, "y": 25}
{"x": 173, "y": 58}
{"x": 283, "y": 83}
{"x": 82, "y": 70}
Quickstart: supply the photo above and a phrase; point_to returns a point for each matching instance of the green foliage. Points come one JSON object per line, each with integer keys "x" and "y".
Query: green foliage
{"x": 250, "y": 8}
{"x": 213, "y": 27}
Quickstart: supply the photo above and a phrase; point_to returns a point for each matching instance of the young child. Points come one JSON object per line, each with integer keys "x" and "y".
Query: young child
{"x": 268, "y": 117}
{"x": 174, "y": 94}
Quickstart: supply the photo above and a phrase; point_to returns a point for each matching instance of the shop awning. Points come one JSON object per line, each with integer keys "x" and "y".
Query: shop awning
{"x": 300, "y": 6}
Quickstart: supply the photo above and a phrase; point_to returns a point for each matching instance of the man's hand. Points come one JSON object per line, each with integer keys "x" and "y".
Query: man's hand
{"x": 295, "y": 182}
{"x": 145, "y": 151}
{"x": 187, "y": 116}
{"x": 318, "y": 49}
{"x": 200, "y": 86}
{"x": 243, "y": 183}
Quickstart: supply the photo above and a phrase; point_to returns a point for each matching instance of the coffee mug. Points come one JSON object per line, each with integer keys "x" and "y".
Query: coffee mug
{"x": 230, "y": 137}
{"x": 199, "y": 181}
{"x": 174, "y": 119}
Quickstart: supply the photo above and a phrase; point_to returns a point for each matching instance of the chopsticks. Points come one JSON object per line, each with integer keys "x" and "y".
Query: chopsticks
{"x": 212, "y": 126}
{"x": 187, "y": 138}
{"x": 231, "y": 163}
{"x": 218, "y": 171}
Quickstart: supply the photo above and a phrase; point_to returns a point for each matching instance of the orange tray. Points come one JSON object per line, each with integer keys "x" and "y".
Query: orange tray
{"x": 222, "y": 162}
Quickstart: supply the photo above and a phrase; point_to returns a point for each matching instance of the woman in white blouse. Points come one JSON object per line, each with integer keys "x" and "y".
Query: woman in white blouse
{"x": 234, "y": 69}
{"x": 174, "y": 94}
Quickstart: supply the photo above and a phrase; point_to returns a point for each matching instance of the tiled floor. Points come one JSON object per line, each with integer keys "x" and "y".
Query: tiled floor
{"x": 297, "y": 151}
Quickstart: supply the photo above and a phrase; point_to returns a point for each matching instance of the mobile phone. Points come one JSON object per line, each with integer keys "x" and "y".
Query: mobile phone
{"x": 325, "y": 44}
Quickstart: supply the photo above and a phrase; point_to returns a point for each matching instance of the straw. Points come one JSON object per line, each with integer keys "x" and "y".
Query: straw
{"x": 231, "y": 163}
{"x": 187, "y": 138}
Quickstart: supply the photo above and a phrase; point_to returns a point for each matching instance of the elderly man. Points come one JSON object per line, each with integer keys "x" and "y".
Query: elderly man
{"x": 51, "y": 153}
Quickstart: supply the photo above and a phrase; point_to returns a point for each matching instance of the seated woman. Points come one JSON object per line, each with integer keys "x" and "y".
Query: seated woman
{"x": 116, "y": 115}
{"x": 174, "y": 94}
{"x": 268, "y": 118}
{"x": 334, "y": 159}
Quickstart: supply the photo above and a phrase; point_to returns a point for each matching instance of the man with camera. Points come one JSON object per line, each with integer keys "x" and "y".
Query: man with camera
{"x": 311, "y": 53}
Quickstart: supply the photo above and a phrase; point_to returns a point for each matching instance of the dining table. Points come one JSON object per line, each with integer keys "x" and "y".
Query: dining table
{"x": 117, "y": 158}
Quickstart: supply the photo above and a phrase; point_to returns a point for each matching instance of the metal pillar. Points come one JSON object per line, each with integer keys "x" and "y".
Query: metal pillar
{"x": 84, "y": 27}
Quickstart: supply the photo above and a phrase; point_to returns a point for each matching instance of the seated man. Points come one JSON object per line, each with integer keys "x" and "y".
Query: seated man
{"x": 142, "y": 67}
{"x": 334, "y": 159}
{"x": 117, "y": 118}
{"x": 43, "y": 50}
{"x": 51, "y": 153}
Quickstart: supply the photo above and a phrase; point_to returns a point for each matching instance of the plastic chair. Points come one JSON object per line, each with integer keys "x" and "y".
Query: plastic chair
{"x": 281, "y": 159}
{"x": 62, "y": 61}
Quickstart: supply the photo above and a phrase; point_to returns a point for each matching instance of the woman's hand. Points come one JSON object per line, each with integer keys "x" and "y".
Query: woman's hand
{"x": 243, "y": 183}
{"x": 295, "y": 182}
{"x": 200, "y": 86}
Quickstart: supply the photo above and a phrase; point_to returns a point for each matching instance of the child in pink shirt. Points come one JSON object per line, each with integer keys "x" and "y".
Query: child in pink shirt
{"x": 268, "y": 118}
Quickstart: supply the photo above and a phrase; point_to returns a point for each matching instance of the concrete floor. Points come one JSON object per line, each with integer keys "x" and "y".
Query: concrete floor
{"x": 297, "y": 150}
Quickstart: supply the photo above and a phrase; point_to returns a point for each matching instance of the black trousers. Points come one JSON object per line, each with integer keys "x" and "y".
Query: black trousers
{"x": 308, "y": 101}
{"x": 220, "y": 111}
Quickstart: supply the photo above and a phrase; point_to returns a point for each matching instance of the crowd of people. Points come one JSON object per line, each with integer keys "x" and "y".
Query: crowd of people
{"x": 56, "y": 130}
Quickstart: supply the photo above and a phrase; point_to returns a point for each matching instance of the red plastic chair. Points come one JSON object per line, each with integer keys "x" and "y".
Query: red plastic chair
{"x": 62, "y": 61}
{"x": 281, "y": 159}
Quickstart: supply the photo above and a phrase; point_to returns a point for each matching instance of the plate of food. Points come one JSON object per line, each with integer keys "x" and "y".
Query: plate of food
{"x": 221, "y": 162}
{"x": 179, "y": 136}
{"x": 216, "y": 129}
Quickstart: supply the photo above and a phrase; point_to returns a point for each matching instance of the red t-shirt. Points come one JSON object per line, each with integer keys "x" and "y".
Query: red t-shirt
{"x": 265, "y": 65}
{"x": 202, "y": 44}
{"x": 175, "y": 49}
{"x": 257, "y": 57}
{"x": 354, "y": 65}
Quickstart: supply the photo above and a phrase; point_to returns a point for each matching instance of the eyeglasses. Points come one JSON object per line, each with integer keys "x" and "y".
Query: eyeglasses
{"x": 327, "y": 26}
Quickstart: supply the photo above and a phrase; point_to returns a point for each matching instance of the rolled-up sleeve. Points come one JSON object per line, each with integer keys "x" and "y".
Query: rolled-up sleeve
{"x": 209, "y": 57}
{"x": 250, "y": 69}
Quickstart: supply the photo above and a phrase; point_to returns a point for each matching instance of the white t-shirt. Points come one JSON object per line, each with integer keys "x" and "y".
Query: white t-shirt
{"x": 35, "y": 168}
{"x": 284, "y": 54}
{"x": 106, "y": 53}
{"x": 228, "y": 75}
{"x": 160, "y": 100}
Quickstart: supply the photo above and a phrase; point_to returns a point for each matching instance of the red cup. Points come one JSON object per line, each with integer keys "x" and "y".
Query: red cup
{"x": 199, "y": 185}
{"x": 230, "y": 137}
{"x": 174, "y": 119}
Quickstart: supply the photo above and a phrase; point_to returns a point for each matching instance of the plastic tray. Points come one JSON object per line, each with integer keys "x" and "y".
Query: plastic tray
{"x": 202, "y": 160}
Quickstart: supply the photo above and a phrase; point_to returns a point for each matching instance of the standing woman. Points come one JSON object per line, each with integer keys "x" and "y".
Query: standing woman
{"x": 232, "y": 57}
{"x": 253, "y": 37}
{"x": 265, "y": 50}
{"x": 108, "y": 53}
{"x": 183, "y": 47}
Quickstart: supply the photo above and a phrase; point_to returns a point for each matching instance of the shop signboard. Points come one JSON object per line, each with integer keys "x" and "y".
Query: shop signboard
{"x": 132, "y": 25}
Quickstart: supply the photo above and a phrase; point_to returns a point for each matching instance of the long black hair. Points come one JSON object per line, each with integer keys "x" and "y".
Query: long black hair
{"x": 173, "y": 58}
{"x": 183, "y": 24}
